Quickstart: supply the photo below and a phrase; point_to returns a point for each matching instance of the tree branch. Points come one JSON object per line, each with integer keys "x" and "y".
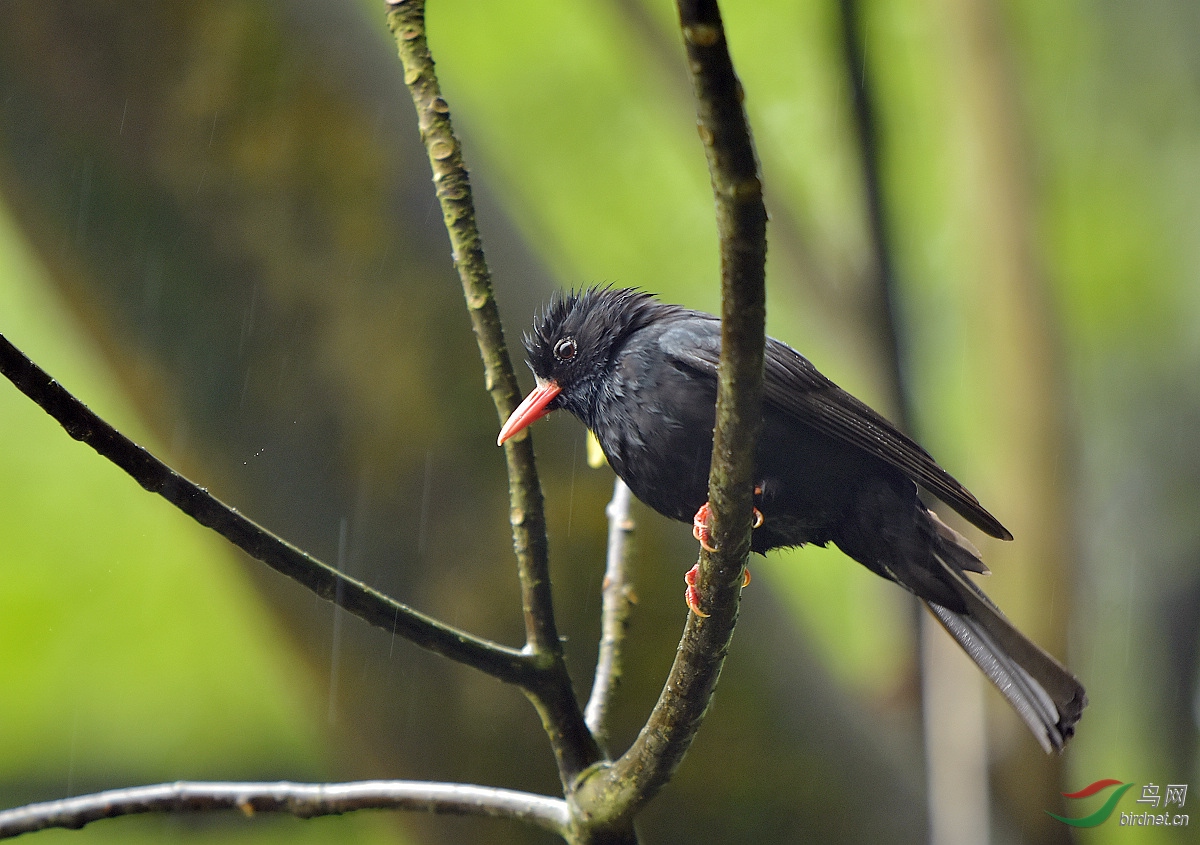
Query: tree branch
{"x": 625, "y": 785}
{"x": 407, "y": 22}
{"x": 304, "y": 800}
{"x": 371, "y": 606}
{"x": 574, "y": 746}
{"x": 616, "y": 602}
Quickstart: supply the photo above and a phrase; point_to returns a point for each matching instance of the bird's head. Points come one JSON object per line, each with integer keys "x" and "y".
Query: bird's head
{"x": 572, "y": 346}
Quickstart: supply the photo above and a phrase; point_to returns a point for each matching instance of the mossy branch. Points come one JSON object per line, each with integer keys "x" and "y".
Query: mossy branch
{"x": 574, "y": 746}
{"x": 406, "y": 19}
{"x": 616, "y": 791}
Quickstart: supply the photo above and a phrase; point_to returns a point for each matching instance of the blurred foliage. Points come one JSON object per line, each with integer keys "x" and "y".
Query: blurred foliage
{"x": 239, "y": 259}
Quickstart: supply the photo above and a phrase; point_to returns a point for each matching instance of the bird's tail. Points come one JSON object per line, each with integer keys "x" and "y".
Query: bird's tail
{"x": 1047, "y": 696}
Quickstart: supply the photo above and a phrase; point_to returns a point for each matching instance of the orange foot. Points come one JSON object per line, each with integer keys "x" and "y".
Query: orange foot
{"x": 692, "y": 595}
{"x": 700, "y": 529}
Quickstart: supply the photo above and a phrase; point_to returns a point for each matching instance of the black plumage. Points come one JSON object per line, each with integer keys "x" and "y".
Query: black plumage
{"x": 641, "y": 374}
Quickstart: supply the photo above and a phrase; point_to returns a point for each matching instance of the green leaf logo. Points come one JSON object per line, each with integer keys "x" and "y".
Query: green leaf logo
{"x": 1101, "y": 815}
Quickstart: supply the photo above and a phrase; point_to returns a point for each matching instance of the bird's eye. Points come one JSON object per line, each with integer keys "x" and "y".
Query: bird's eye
{"x": 565, "y": 349}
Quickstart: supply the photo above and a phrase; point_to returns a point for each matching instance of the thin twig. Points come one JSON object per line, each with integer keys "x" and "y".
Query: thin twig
{"x": 574, "y": 746}
{"x": 373, "y": 607}
{"x": 624, "y": 786}
{"x": 305, "y": 800}
{"x": 614, "y": 617}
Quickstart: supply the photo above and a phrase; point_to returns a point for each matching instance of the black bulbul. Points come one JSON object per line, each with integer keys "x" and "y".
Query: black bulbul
{"x": 641, "y": 374}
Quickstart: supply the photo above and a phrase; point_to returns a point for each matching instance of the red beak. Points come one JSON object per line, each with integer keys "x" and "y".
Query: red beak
{"x": 530, "y": 410}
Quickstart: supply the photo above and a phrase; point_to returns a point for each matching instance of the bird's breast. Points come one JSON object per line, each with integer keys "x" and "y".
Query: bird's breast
{"x": 655, "y": 425}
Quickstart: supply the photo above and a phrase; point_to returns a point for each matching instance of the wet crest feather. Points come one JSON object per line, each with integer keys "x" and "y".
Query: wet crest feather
{"x": 598, "y": 318}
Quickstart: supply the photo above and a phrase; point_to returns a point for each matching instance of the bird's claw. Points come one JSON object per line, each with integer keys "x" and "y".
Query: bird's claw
{"x": 692, "y": 594}
{"x": 700, "y": 528}
{"x": 703, "y": 534}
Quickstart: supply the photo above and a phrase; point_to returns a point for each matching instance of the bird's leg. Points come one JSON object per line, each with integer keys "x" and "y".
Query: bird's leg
{"x": 701, "y": 532}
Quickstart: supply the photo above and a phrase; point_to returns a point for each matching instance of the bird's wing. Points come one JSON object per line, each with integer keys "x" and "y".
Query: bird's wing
{"x": 793, "y": 385}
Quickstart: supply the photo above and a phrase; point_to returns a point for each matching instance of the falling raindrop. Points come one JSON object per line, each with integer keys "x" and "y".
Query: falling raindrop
{"x": 423, "y": 522}
{"x": 334, "y": 658}
{"x": 571, "y": 492}
{"x": 71, "y": 758}
{"x": 248, "y": 320}
{"x": 85, "y": 196}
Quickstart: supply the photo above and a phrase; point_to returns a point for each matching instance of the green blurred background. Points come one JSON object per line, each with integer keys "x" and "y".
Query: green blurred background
{"x": 217, "y": 228}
